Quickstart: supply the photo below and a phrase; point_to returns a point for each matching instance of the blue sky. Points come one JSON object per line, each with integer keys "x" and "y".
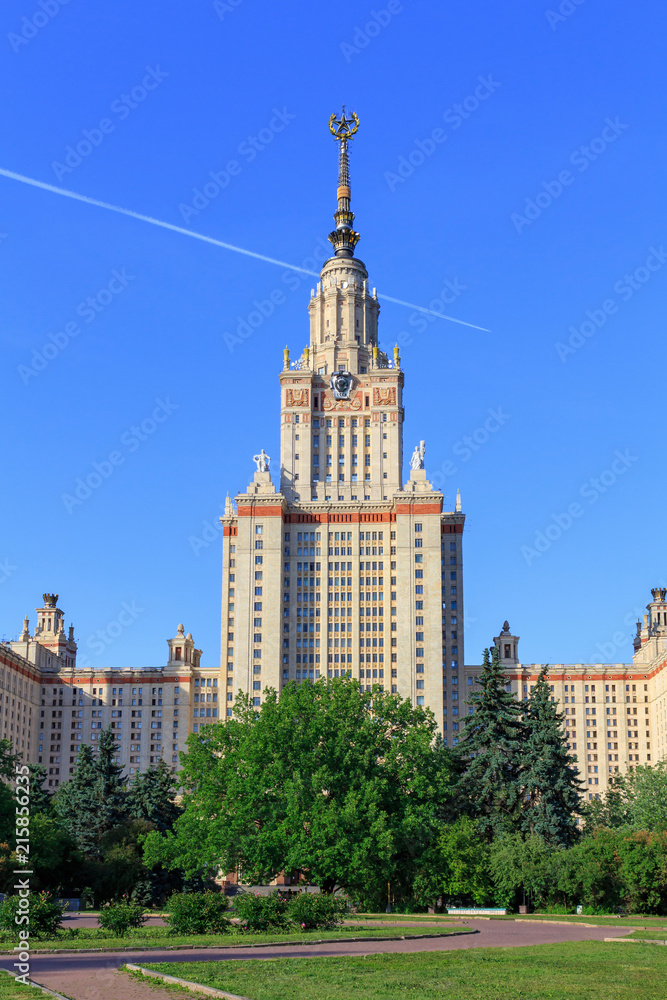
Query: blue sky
{"x": 511, "y": 154}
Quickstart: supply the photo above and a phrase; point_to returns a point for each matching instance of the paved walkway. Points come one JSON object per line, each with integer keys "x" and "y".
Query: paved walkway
{"x": 95, "y": 976}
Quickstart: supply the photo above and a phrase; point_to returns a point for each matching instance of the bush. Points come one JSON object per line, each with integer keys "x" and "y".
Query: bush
{"x": 44, "y": 912}
{"x": 198, "y": 913}
{"x": 120, "y": 917}
{"x": 261, "y": 913}
{"x": 312, "y": 911}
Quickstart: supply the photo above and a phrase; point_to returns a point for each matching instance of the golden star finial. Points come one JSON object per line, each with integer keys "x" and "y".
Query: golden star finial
{"x": 343, "y": 127}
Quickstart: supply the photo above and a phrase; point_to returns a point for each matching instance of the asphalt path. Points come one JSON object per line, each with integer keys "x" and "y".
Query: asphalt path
{"x": 58, "y": 970}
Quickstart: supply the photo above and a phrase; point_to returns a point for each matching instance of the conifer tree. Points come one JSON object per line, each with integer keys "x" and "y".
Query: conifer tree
{"x": 40, "y": 798}
{"x": 550, "y": 778}
{"x": 94, "y": 800}
{"x": 111, "y": 783}
{"x": 151, "y": 797}
{"x": 76, "y": 803}
{"x": 491, "y": 753}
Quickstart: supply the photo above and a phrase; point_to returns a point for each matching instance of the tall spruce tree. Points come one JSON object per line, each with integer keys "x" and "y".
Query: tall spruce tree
{"x": 94, "y": 800}
{"x": 491, "y": 751}
{"x": 112, "y": 791}
{"x": 151, "y": 797}
{"x": 551, "y": 785}
{"x": 76, "y": 803}
{"x": 40, "y": 798}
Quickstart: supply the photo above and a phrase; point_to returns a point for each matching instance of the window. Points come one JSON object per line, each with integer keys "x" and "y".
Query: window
{"x": 418, "y": 527}
{"x": 259, "y": 529}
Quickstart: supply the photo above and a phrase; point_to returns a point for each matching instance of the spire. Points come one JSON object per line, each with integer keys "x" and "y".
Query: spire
{"x": 343, "y": 238}
{"x": 458, "y": 502}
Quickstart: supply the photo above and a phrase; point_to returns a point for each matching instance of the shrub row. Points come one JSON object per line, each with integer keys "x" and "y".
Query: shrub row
{"x": 202, "y": 913}
{"x": 189, "y": 913}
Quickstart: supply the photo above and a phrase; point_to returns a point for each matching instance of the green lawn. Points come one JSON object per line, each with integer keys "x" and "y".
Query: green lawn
{"x": 653, "y": 935}
{"x": 587, "y": 970}
{"x": 159, "y": 937}
{"x": 634, "y": 920}
{"x": 11, "y": 990}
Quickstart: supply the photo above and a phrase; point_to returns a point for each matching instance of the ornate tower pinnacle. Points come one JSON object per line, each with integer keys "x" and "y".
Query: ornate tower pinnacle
{"x": 343, "y": 238}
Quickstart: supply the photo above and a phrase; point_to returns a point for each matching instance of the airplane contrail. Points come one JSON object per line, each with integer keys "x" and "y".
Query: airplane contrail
{"x": 206, "y": 239}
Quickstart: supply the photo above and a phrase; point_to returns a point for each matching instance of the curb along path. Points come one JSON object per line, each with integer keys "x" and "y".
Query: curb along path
{"x": 96, "y": 976}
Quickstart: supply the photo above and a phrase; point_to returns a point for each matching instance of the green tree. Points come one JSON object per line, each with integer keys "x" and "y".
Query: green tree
{"x": 40, "y": 798}
{"x": 643, "y": 871}
{"x": 521, "y": 870}
{"x": 456, "y": 869}
{"x": 611, "y": 810}
{"x": 8, "y": 760}
{"x": 589, "y": 873}
{"x": 647, "y": 796}
{"x": 491, "y": 750}
{"x": 76, "y": 803}
{"x": 54, "y": 856}
{"x": 320, "y": 782}
{"x": 551, "y": 786}
{"x": 111, "y": 783}
{"x": 93, "y": 801}
{"x": 151, "y": 797}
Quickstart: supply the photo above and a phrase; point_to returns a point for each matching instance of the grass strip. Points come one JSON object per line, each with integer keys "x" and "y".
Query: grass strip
{"x": 240, "y": 940}
{"x": 11, "y": 990}
{"x": 646, "y": 935}
{"x": 585, "y": 970}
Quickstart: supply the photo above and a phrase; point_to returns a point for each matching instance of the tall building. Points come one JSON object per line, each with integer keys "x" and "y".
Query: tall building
{"x": 50, "y": 705}
{"x": 615, "y": 714}
{"x": 343, "y": 569}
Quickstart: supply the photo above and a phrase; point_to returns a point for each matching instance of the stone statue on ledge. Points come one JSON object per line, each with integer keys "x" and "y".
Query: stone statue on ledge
{"x": 417, "y": 460}
{"x": 262, "y": 460}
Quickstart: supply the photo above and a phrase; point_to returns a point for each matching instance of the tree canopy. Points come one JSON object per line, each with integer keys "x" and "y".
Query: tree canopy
{"x": 340, "y": 787}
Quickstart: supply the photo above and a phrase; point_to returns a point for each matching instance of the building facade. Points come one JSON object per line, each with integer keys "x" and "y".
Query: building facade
{"x": 50, "y": 706}
{"x": 343, "y": 569}
{"x": 615, "y": 715}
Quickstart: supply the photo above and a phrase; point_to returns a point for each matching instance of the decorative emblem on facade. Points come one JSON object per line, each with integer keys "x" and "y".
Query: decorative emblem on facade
{"x": 341, "y": 385}
{"x": 329, "y": 403}
{"x": 384, "y": 397}
{"x": 296, "y": 397}
{"x": 417, "y": 460}
{"x": 263, "y": 461}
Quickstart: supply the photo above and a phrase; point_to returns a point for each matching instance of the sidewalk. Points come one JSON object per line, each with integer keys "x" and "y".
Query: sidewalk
{"x": 105, "y": 984}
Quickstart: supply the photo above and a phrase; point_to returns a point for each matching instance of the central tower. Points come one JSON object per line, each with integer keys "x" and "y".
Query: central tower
{"x": 344, "y": 571}
{"x": 342, "y": 409}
